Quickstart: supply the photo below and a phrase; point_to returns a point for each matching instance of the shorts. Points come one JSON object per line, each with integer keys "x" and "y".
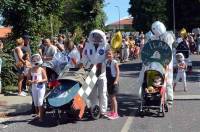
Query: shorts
{"x": 20, "y": 70}
{"x": 112, "y": 88}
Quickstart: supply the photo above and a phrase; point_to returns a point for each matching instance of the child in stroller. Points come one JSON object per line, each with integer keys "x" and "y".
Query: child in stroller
{"x": 153, "y": 92}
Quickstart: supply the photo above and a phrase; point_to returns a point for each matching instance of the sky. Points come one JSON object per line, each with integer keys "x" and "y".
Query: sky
{"x": 112, "y": 11}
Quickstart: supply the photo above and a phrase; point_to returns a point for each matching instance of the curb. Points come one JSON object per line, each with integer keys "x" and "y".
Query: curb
{"x": 187, "y": 97}
{"x": 16, "y": 113}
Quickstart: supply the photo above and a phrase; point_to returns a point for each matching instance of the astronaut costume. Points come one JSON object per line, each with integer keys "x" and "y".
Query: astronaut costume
{"x": 94, "y": 53}
{"x": 160, "y": 33}
{"x": 181, "y": 70}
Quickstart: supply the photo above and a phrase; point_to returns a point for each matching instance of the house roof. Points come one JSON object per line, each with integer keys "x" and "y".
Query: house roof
{"x": 123, "y": 21}
{"x": 4, "y": 31}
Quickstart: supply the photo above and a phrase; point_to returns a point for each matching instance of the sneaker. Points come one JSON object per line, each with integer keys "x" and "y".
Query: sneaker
{"x": 108, "y": 114}
{"x": 170, "y": 103}
{"x": 22, "y": 94}
{"x": 114, "y": 116}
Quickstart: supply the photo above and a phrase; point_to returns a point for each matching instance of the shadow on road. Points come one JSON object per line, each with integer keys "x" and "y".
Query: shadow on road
{"x": 51, "y": 121}
{"x": 193, "y": 77}
{"x": 131, "y": 67}
{"x": 132, "y": 75}
{"x": 127, "y": 104}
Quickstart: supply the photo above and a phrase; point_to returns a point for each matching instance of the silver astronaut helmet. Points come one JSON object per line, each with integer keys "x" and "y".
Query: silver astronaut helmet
{"x": 180, "y": 57}
{"x": 158, "y": 28}
{"x": 97, "y": 37}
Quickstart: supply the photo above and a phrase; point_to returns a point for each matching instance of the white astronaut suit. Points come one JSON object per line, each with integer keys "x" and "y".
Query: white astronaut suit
{"x": 94, "y": 53}
{"x": 181, "y": 71}
{"x": 160, "y": 33}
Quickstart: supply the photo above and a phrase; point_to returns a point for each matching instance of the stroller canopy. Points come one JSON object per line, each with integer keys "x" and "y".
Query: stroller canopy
{"x": 74, "y": 74}
{"x": 156, "y": 51}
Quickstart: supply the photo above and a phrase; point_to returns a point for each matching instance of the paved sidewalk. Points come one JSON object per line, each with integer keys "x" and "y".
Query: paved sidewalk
{"x": 13, "y": 105}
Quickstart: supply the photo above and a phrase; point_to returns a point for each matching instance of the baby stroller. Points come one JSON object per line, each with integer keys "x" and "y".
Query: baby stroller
{"x": 70, "y": 93}
{"x": 156, "y": 55}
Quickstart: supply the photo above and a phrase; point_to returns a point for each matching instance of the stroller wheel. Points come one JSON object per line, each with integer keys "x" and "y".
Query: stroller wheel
{"x": 140, "y": 111}
{"x": 161, "y": 112}
{"x": 95, "y": 112}
{"x": 166, "y": 108}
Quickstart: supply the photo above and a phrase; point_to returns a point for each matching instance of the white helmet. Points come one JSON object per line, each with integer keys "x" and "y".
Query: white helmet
{"x": 180, "y": 57}
{"x": 97, "y": 36}
{"x": 36, "y": 60}
{"x": 158, "y": 28}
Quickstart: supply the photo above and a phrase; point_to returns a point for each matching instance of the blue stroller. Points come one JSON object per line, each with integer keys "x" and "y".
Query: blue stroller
{"x": 70, "y": 93}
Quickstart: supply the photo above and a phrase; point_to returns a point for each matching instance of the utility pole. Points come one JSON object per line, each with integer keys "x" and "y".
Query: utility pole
{"x": 174, "y": 17}
{"x": 118, "y": 8}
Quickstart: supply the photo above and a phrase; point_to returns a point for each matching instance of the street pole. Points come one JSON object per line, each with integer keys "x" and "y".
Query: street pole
{"x": 118, "y": 8}
{"x": 174, "y": 21}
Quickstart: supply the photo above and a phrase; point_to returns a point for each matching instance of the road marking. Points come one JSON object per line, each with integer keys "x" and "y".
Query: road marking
{"x": 127, "y": 124}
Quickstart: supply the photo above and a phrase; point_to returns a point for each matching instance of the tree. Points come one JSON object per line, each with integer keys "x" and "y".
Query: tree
{"x": 145, "y": 12}
{"x": 186, "y": 14}
{"x": 27, "y": 16}
{"x": 84, "y": 14}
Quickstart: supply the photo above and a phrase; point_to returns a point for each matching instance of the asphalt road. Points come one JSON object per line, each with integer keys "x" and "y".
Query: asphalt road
{"x": 184, "y": 116}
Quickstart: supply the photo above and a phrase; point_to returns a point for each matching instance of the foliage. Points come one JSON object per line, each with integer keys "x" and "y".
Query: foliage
{"x": 186, "y": 14}
{"x": 32, "y": 17}
{"x": 86, "y": 14}
{"x": 145, "y": 12}
{"x": 8, "y": 75}
{"x": 78, "y": 35}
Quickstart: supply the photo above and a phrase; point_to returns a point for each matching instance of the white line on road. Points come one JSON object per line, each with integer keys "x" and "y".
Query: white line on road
{"x": 127, "y": 124}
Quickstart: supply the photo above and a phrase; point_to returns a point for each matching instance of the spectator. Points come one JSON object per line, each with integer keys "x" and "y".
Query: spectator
{"x": 1, "y": 50}
{"x": 41, "y": 47}
{"x": 59, "y": 45}
{"x": 198, "y": 43}
{"x": 74, "y": 55}
{"x": 27, "y": 66}
{"x": 61, "y": 39}
{"x": 192, "y": 44}
{"x": 26, "y": 48}
{"x": 20, "y": 62}
{"x": 125, "y": 50}
{"x": 49, "y": 51}
{"x": 81, "y": 46}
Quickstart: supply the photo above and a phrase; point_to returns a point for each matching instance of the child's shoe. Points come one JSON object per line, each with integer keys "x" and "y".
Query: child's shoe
{"x": 108, "y": 114}
{"x": 113, "y": 116}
